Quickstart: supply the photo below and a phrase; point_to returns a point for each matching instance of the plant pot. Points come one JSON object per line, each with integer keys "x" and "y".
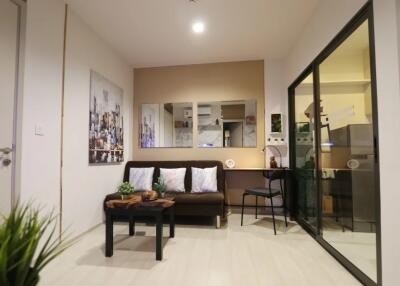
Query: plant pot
{"x": 125, "y": 197}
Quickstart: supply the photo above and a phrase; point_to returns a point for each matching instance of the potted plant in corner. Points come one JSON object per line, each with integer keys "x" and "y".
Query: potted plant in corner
{"x": 28, "y": 242}
{"x": 125, "y": 190}
{"x": 160, "y": 187}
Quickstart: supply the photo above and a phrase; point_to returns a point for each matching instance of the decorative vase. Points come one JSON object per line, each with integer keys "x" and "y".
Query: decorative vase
{"x": 272, "y": 163}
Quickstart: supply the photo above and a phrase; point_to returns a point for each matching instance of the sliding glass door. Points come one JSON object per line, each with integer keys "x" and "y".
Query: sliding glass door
{"x": 304, "y": 159}
{"x": 347, "y": 152}
{"x": 334, "y": 149}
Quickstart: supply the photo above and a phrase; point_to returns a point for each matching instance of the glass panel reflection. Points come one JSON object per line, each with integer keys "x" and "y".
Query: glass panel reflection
{"x": 347, "y": 152}
{"x": 227, "y": 124}
{"x": 166, "y": 125}
{"x": 305, "y": 168}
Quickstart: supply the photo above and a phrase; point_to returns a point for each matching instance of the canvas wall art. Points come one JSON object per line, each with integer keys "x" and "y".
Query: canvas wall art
{"x": 106, "y": 123}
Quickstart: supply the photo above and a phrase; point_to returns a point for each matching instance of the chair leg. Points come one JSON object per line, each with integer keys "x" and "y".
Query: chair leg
{"x": 256, "y": 205}
{"x": 218, "y": 221}
{"x": 241, "y": 218}
{"x": 273, "y": 214}
{"x": 285, "y": 213}
{"x": 284, "y": 209}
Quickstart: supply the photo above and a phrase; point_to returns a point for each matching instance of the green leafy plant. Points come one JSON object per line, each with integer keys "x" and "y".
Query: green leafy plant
{"x": 28, "y": 243}
{"x": 160, "y": 187}
{"x": 125, "y": 189}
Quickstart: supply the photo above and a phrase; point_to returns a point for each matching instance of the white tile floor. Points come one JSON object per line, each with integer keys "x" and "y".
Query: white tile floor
{"x": 358, "y": 247}
{"x": 200, "y": 255}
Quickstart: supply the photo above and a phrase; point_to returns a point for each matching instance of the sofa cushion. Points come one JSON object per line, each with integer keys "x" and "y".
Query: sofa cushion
{"x": 179, "y": 164}
{"x": 141, "y": 178}
{"x": 207, "y": 198}
{"x": 174, "y": 178}
{"x": 204, "y": 180}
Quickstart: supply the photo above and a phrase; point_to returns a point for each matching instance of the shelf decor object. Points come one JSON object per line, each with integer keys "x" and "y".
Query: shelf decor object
{"x": 274, "y": 147}
{"x": 230, "y": 163}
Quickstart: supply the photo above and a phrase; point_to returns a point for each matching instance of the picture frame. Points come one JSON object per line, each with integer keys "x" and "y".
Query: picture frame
{"x": 106, "y": 121}
{"x": 276, "y": 123}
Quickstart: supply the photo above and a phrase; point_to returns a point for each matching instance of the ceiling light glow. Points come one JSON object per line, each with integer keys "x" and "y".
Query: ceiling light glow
{"x": 198, "y": 27}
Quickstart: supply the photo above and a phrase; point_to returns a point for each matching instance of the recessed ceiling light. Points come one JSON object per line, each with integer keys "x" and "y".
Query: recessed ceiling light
{"x": 198, "y": 27}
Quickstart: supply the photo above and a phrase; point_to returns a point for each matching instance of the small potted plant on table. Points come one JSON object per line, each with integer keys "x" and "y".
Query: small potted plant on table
{"x": 125, "y": 190}
{"x": 160, "y": 187}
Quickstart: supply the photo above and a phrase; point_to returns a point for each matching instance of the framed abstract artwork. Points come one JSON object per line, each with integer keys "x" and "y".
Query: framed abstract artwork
{"x": 106, "y": 122}
{"x": 276, "y": 123}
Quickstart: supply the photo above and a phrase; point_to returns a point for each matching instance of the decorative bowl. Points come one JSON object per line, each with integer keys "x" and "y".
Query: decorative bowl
{"x": 149, "y": 195}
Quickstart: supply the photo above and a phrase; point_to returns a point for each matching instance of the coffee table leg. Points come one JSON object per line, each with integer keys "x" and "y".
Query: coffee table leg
{"x": 109, "y": 235}
{"x": 172, "y": 221}
{"x": 131, "y": 226}
{"x": 159, "y": 229}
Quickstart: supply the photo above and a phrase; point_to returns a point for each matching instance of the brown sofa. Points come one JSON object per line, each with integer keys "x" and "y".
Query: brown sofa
{"x": 189, "y": 204}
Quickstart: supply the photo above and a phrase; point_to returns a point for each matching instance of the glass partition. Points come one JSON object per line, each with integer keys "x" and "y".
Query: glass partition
{"x": 166, "y": 125}
{"x": 227, "y": 124}
{"x": 305, "y": 166}
{"x": 334, "y": 150}
{"x": 347, "y": 152}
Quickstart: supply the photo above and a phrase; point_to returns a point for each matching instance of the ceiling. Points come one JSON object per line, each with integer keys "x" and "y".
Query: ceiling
{"x": 150, "y": 33}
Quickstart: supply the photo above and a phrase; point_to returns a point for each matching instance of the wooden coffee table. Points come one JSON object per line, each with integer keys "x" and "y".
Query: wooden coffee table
{"x": 154, "y": 209}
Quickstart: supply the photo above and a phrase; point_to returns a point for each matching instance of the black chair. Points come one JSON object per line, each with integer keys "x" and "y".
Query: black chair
{"x": 269, "y": 193}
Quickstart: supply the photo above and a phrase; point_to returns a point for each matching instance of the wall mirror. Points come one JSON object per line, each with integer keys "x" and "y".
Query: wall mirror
{"x": 166, "y": 125}
{"x": 227, "y": 124}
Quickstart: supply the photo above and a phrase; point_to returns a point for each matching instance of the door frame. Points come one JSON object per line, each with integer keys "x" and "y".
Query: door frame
{"x": 365, "y": 13}
{"x": 18, "y": 94}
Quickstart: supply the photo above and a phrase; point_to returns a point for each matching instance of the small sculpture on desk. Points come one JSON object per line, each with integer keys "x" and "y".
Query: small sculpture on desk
{"x": 272, "y": 163}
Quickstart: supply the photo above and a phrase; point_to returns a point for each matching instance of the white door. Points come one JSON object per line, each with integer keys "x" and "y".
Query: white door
{"x": 9, "y": 36}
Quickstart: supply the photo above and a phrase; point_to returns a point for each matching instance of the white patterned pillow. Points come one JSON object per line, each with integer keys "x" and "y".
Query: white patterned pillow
{"x": 174, "y": 179}
{"x": 141, "y": 178}
{"x": 204, "y": 180}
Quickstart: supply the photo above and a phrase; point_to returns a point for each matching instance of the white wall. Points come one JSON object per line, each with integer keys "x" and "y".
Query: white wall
{"x": 388, "y": 90}
{"x": 329, "y": 18}
{"x": 276, "y": 102}
{"x": 40, "y": 155}
{"x": 84, "y": 186}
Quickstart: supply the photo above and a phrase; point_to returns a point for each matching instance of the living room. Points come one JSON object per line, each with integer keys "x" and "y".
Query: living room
{"x": 219, "y": 96}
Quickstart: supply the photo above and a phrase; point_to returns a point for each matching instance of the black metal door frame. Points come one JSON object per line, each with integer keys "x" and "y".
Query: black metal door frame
{"x": 365, "y": 13}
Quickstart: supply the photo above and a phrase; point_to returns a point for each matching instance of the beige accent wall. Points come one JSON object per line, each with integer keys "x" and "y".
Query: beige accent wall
{"x": 201, "y": 83}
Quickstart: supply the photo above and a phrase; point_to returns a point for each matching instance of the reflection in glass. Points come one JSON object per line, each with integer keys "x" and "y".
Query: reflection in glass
{"x": 166, "y": 125}
{"x": 347, "y": 152}
{"x": 227, "y": 124}
{"x": 305, "y": 168}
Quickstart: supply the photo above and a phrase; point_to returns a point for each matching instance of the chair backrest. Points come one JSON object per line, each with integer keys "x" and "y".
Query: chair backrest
{"x": 274, "y": 174}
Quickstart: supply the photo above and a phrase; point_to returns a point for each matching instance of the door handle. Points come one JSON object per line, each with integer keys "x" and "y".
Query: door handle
{"x": 6, "y": 150}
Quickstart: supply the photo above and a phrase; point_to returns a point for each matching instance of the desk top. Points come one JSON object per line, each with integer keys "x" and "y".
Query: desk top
{"x": 253, "y": 169}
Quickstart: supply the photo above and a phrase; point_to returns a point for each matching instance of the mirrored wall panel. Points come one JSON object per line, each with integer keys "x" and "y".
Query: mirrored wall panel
{"x": 227, "y": 124}
{"x": 348, "y": 155}
{"x": 166, "y": 125}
